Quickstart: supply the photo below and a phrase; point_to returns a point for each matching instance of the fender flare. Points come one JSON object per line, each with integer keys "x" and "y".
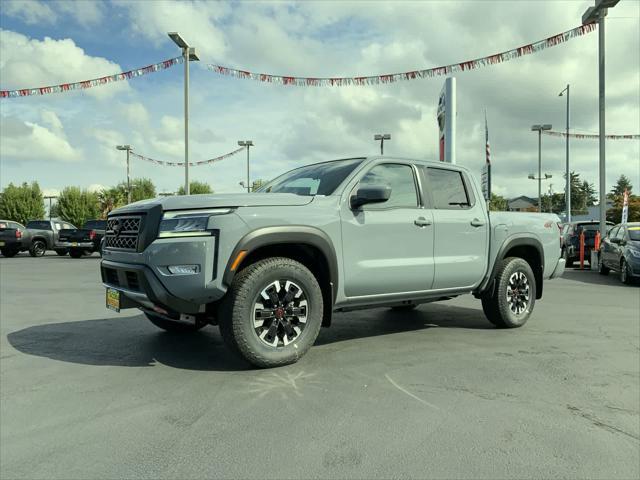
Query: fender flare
{"x": 517, "y": 240}
{"x": 297, "y": 234}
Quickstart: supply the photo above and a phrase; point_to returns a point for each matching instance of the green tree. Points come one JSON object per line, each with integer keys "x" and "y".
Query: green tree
{"x": 589, "y": 193}
{"x": 256, "y": 184}
{"x": 498, "y": 203}
{"x": 621, "y": 185}
{"x": 77, "y": 206}
{"x": 141, "y": 189}
{"x": 22, "y": 203}
{"x": 196, "y": 188}
{"x": 614, "y": 214}
{"x": 111, "y": 198}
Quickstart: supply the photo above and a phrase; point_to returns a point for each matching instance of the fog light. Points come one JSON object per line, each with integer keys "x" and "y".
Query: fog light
{"x": 183, "y": 269}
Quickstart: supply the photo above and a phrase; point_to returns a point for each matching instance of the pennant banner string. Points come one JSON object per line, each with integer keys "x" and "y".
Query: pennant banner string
{"x": 191, "y": 164}
{"x": 411, "y": 75}
{"x": 590, "y": 136}
{"x": 65, "y": 87}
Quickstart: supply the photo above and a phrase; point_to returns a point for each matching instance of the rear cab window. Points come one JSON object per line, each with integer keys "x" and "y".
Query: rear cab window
{"x": 39, "y": 225}
{"x": 449, "y": 189}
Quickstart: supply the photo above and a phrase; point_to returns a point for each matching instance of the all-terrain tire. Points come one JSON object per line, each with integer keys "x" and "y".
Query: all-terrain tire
{"x": 8, "y": 252}
{"x": 236, "y": 312}
{"x": 38, "y": 248}
{"x": 173, "y": 326}
{"x": 514, "y": 279}
{"x": 62, "y": 251}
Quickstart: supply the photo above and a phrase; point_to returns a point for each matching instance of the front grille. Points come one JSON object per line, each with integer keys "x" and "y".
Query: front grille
{"x": 111, "y": 276}
{"x": 122, "y": 232}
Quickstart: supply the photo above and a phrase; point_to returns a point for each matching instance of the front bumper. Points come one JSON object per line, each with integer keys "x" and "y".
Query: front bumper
{"x": 559, "y": 270}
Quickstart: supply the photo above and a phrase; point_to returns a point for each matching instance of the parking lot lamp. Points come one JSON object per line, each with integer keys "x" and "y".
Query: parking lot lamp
{"x": 188, "y": 53}
{"x": 247, "y": 144}
{"x": 591, "y": 15}
{"x": 567, "y": 188}
{"x": 128, "y": 149}
{"x": 50, "y": 197}
{"x": 382, "y": 137}
{"x": 539, "y": 129}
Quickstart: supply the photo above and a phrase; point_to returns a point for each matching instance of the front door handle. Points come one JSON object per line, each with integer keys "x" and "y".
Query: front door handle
{"x": 422, "y": 222}
{"x": 476, "y": 223}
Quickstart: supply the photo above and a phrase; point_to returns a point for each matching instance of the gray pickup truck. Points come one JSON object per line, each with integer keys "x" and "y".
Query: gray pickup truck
{"x": 270, "y": 267}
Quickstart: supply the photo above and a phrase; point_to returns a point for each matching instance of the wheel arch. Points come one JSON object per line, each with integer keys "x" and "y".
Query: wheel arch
{"x": 40, "y": 237}
{"x": 527, "y": 248}
{"x": 307, "y": 245}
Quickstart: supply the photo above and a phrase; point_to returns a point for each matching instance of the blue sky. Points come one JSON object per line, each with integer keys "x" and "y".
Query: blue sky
{"x": 69, "y": 139}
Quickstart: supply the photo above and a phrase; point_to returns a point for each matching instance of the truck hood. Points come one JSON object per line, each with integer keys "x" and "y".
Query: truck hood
{"x": 218, "y": 200}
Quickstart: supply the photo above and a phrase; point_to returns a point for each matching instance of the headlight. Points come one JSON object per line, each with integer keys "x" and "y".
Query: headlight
{"x": 188, "y": 223}
{"x": 634, "y": 252}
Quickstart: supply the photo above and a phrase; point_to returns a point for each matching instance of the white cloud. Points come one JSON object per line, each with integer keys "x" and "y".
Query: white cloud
{"x": 31, "y": 141}
{"x": 33, "y": 12}
{"x": 28, "y": 63}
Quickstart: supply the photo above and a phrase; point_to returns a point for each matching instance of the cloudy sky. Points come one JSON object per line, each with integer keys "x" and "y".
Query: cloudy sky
{"x": 69, "y": 139}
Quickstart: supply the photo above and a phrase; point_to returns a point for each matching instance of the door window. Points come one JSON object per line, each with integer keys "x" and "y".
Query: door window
{"x": 620, "y": 233}
{"x": 401, "y": 181}
{"x": 448, "y": 189}
{"x": 613, "y": 232}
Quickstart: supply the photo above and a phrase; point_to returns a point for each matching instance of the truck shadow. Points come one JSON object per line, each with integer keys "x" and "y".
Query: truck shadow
{"x": 134, "y": 342}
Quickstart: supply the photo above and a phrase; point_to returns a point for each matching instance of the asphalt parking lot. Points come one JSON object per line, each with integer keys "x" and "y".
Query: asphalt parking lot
{"x": 435, "y": 393}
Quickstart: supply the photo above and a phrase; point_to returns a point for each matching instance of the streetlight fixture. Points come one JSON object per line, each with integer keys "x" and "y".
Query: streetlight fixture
{"x": 50, "y": 197}
{"x": 247, "y": 144}
{"x": 188, "y": 53}
{"x": 128, "y": 149}
{"x": 382, "y": 137}
{"x": 591, "y": 15}
{"x": 567, "y": 188}
{"x": 539, "y": 129}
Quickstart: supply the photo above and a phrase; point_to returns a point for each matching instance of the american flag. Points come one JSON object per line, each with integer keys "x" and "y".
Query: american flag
{"x": 486, "y": 136}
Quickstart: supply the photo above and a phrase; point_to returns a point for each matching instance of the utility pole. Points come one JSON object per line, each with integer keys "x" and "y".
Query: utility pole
{"x": 247, "y": 144}
{"x": 128, "y": 149}
{"x": 591, "y": 15}
{"x": 50, "y": 197}
{"x": 539, "y": 129}
{"x": 382, "y": 137}
{"x": 567, "y": 189}
{"x": 188, "y": 53}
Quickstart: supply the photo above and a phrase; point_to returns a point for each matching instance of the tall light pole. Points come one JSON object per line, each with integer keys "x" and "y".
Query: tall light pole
{"x": 50, "y": 197}
{"x": 247, "y": 144}
{"x": 382, "y": 138}
{"x": 128, "y": 149}
{"x": 539, "y": 129}
{"x": 593, "y": 14}
{"x": 567, "y": 188}
{"x": 189, "y": 53}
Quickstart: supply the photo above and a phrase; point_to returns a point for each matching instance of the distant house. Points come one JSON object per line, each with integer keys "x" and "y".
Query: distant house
{"x": 522, "y": 204}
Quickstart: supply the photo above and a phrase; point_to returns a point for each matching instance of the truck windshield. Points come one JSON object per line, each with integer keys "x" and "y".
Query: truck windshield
{"x": 317, "y": 179}
{"x": 39, "y": 225}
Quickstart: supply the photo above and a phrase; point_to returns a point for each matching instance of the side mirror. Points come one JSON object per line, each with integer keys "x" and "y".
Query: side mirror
{"x": 615, "y": 240}
{"x": 372, "y": 194}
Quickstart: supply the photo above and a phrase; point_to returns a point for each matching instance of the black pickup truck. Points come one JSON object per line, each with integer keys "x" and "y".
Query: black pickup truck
{"x": 85, "y": 240}
{"x": 13, "y": 238}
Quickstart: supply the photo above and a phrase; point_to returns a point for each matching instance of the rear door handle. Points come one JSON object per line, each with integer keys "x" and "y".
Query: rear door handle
{"x": 422, "y": 222}
{"x": 476, "y": 223}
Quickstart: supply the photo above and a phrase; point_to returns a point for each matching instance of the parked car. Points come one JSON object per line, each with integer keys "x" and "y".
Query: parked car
{"x": 43, "y": 236}
{"x": 270, "y": 267}
{"x": 571, "y": 239}
{"x": 85, "y": 240}
{"x": 620, "y": 252}
{"x": 13, "y": 238}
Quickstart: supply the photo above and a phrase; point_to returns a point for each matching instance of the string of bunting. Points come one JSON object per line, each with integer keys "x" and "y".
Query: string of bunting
{"x": 583, "y": 136}
{"x": 191, "y": 164}
{"x": 411, "y": 75}
{"x": 95, "y": 82}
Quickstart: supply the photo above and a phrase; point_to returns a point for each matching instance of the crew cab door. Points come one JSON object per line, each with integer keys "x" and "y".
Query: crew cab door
{"x": 461, "y": 229}
{"x": 387, "y": 247}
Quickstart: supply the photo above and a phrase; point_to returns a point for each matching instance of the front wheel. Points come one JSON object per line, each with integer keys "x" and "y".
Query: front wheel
{"x": 514, "y": 295}
{"x": 625, "y": 274}
{"x": 173, "y": 326}
{"x": 272, "y": 312}
{"x": 37, "y": 249}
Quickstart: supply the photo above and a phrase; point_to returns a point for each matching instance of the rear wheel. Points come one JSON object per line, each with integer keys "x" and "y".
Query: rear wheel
{"x": 272, "y": 313}
{"x": 8, "y": 252}
{"x": 62, "y": 251}
{"x": 75, "y": 253}
{"x": 514, "y": 296}
{"x": 37, "y": 249}
{"x": 173, "y": 326}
